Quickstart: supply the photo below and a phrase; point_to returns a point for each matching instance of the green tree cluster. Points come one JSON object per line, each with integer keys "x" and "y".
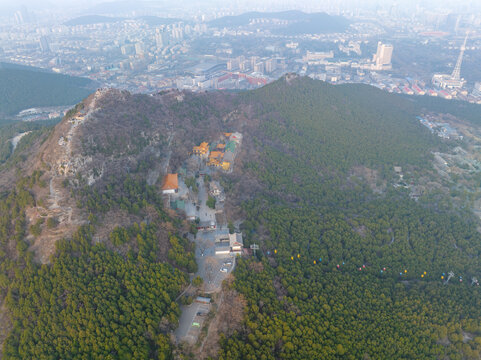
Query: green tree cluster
{"x": 91, "y": 302}
{"x": 210, "y": 202}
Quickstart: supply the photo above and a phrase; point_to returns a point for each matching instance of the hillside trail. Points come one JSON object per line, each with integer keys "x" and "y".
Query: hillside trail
{"x": 58, "y": 203}
{"x": 65, "y": 212}
{"x": 54, "y": 196}
{"x": 162, "y": 168}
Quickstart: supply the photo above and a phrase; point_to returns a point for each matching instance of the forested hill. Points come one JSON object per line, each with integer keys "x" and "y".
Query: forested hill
{"x": 349, "y": 266}
{"x": 23, "y": 88}
{"x": 341, "y": 126}
{"x": 300, "y": 22}
{"x": 91, "y": 19}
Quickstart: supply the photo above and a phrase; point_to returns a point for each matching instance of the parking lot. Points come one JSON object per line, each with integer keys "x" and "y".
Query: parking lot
{"x": 192, "y": 319}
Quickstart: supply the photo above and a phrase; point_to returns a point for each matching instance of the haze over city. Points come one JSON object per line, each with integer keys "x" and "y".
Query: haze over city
{"x": 150, "y": 45}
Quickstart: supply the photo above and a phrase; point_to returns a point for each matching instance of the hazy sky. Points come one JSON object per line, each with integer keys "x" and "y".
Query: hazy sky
{"x": 455, "y": 5}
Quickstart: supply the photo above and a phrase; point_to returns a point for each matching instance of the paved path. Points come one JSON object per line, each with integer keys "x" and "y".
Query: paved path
{"x": 209, "y": 266}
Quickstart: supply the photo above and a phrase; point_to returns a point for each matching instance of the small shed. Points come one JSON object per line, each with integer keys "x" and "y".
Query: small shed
{"x": 177, "y": 204}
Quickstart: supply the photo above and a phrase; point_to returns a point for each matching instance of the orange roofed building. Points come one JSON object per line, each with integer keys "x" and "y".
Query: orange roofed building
{"x": 171, "y": 184}
{"x": 202, "y": 149}
{"x": 215, "y": 158}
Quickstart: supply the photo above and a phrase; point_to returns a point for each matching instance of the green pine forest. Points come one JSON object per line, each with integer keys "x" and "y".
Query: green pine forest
{"x": 311, "y": 209}
{"x": 91, "y": 301}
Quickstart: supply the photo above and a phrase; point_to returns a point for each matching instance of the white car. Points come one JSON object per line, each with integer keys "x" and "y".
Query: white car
{"x": 223, "y": 270}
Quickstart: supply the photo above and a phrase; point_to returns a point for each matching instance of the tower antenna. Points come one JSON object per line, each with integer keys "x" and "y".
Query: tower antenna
{"x": 456, "y": 75}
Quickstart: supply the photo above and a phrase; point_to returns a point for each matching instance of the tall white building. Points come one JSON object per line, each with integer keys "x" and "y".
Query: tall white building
{"x": 177, "y": 33}
{"x": 383, "y": 56}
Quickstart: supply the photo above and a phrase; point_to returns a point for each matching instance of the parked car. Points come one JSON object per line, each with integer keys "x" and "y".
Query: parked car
{"x": 223, "y": 270}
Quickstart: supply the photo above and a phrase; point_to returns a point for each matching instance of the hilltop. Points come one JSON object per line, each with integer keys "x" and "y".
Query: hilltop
{"x": 298, "y": 22}
{"x": 91, "y": 19}
{"x": 99, "y": 19}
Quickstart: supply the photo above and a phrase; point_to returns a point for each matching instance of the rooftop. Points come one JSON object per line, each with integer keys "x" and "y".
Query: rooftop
{"x": 215, "y": 154}
{"x": 171, "y": 182}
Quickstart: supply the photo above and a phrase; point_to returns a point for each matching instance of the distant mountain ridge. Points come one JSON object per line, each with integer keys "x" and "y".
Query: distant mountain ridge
{"x": 116, "y": 7}
{"x": 12, "y": 66}
{"x": 304, "y": 22}
{"x": 92, "y": 19}
{"x": 99, "y": 19}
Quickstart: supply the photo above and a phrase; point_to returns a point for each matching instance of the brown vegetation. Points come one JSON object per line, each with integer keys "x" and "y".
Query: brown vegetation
{"x": 227, "y": 320}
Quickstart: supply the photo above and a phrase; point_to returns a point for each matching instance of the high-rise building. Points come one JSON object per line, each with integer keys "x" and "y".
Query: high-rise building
{"x": 244, "y": 65}
{"x": 177, "y": 33}
{"x": 232, "y": 64}
{"x": 127, "y": 49}
{"x": 22, "y": 16}
{"x": 162, "y": 38}
{"x": 254, "y": 60}
{"x": 18, "y": 18}
{"x": 259, "y": 67}
{"x": 44, "y": 45}
{"x": 139, "y": 48}
{"x": 271, "y": 65}
{"x": 383, "y": 56}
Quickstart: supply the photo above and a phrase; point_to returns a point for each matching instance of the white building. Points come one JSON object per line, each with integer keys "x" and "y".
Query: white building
{"x": 383, "y": 56}
{"x": 236, "y": 244}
